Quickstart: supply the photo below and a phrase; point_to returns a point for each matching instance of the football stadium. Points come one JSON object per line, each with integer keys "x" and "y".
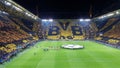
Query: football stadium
{"x": 27, "y": 41}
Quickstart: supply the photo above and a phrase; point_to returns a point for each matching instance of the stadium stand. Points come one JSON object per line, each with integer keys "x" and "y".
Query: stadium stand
{"x": 108, "y": 30}
{"x": 63, "y": 29}
{"x": 114, "y": 32}
{"x": 15, "y": 36}
{"x": 19, "y": 29}
{"x": 10, "y": 32}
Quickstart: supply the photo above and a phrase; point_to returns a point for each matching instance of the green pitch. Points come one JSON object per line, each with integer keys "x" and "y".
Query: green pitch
{"x": 94, "y": 55}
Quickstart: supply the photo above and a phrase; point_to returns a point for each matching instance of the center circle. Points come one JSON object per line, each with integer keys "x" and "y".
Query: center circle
{"x": 72, "y": 46}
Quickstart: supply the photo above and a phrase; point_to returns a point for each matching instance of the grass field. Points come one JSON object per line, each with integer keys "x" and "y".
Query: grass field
{"x": 94, "y": 55}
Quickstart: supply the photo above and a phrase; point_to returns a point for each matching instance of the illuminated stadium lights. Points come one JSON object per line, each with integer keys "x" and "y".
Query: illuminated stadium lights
{"x": 44, "y": 20}
{"x": 101, "y": 17}
{"x": 7, "y": 3}
{"x": 47, "y": 20}
{"x": 27, "y": 14}
{"x": 107, "y": 15}
{"x": 35, "y": 17}
{"x": 81, "y": 19}
{"x": 3, "y": 12}
{"x": 18, "y": 9}
{"x": 87, "y": 20}
{"x": 10, "y": 0}
{"x": 50, "y": 20}
{"x": 111, "y": 14}
{"x": 117, "y": 12}
{"x": 101, "y": 34}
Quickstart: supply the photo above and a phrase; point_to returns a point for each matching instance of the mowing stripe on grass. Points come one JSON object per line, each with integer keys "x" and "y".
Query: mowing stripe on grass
{"x": 94, "y": 55}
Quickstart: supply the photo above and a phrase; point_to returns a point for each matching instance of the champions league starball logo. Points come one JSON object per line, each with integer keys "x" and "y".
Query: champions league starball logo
{"x": 72, "y": 46}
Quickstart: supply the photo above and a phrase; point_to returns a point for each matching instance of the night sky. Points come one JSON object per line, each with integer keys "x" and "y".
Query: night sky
{"x": 68, "y": 8}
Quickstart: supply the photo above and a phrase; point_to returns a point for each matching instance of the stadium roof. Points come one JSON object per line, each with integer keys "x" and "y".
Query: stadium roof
{"x": 69, "y": 8}
{"x": 10, "y": 7}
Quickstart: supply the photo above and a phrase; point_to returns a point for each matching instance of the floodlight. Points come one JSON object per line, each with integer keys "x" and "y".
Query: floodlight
{"x": 50, "y": 20}
{"x": 87, "y": 20}
{"x": 117, "y": 12}
{"x": 101, "y": 34}
{"x": 111, "y": 14}
{"x": 44, "y": 20}
{"x": 7, "y": 3}
{"x": 81, "y": 19}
